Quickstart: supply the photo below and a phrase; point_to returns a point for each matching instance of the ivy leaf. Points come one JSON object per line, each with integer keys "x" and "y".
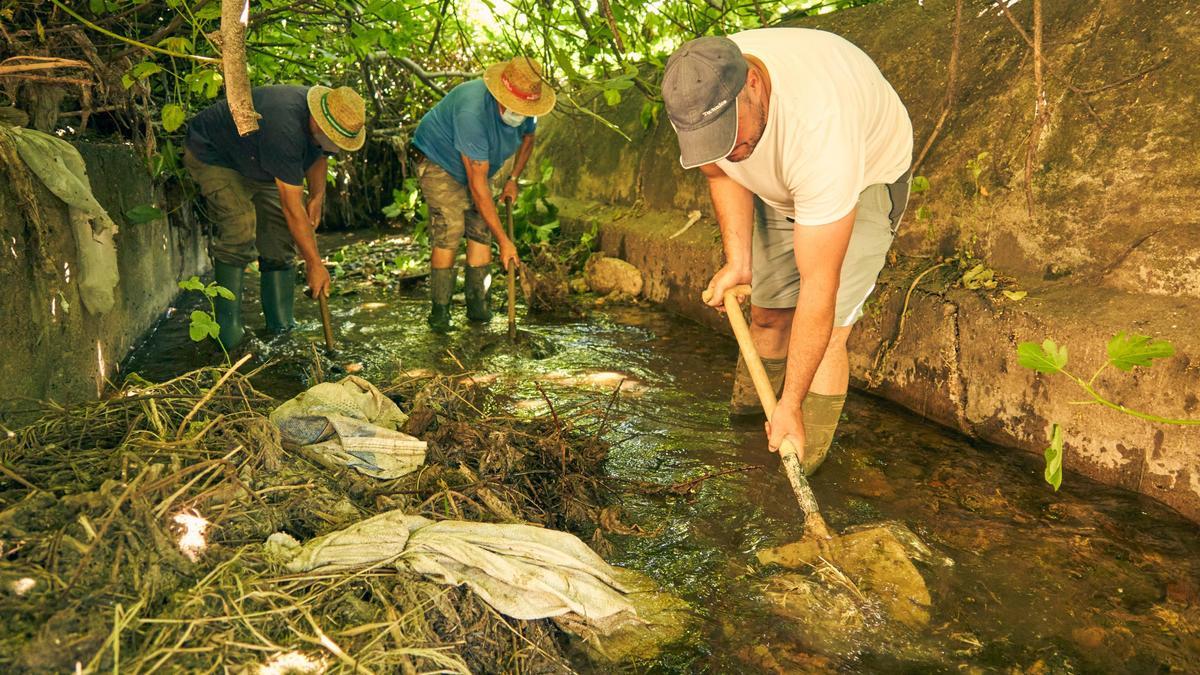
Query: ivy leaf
{"x": 172, "y": 117}
{"x": 1127, "y": 350}
{"x": 193, "y": 284}
{"x": 1044, "y": 358}
{"x": 919, "y": 184}
{"x": 1054, "y": 458}
{"x": 145, "y": 213}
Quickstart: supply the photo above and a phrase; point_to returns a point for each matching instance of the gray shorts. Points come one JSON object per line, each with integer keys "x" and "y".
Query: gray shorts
{"x": 776, "y": 281}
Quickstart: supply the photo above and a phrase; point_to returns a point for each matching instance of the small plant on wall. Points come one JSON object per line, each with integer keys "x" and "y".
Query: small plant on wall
{"x": 1125, "y": 351}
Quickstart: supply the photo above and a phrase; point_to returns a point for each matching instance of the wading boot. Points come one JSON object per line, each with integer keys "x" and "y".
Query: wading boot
{"x": 229, "y": 312}
{"x": 279, "y": 299}
{"x": 478, "y": 281}
{"x": 744, "y": 401}
{"x": 441, "y": 287}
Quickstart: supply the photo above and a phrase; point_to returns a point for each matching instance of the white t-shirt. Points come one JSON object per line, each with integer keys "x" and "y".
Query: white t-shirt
{"x": 834, "y": 127}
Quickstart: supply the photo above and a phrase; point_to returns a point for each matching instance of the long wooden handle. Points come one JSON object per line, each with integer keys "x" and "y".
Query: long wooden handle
{"x": 512, "y": 283}
{"x": 326, "y": 322}
{"x": 790, "y": 459}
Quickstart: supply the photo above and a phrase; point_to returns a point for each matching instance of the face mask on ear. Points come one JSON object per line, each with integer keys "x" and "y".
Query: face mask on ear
{"x": 511, "y": 118}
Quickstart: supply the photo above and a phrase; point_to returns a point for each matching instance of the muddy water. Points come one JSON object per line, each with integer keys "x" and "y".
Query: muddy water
{"x": 1087, "y": 579}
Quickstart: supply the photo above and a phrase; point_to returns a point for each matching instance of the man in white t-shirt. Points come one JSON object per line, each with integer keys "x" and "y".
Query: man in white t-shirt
{"x": 806, "y": 148}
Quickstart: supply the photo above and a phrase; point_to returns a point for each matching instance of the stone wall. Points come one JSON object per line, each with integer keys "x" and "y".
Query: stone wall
{"x": 1112, "y": 243}
{"x": 53, "y": 347}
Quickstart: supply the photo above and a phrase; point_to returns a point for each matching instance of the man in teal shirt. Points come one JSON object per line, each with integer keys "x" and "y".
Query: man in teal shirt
{"x": 464, "y": 139}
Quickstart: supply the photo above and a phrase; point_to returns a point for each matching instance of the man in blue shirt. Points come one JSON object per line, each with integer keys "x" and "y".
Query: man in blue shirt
{"x": 464, "y": 139}
{"x": 254, "y": 189}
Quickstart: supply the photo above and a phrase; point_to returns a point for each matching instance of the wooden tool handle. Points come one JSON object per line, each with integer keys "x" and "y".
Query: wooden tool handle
{"x": 512, "y": 282}
{"x": 326, "y": 323}
{"x": 766, "y": 395}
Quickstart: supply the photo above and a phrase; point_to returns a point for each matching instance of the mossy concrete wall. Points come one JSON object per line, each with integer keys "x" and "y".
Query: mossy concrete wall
{"x": 53, "y": 348}
{"x": 1113, "y": 242}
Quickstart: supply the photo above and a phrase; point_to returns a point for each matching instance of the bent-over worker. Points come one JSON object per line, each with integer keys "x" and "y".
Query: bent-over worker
{"x": 807, "y": 149}
{"x": 254, "y": 189}
{"x": 463, "y": 141}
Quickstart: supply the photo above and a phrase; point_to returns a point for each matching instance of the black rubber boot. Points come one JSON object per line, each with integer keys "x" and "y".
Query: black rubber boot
{"x": 229, "y": 312}
{"x": 477, "y": 294}
{"x": 279, "y": 299}
{"x": 441, "y": 287}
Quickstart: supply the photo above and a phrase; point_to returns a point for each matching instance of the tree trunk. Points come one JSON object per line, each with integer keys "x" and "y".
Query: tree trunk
{"x": 234, "y": 15}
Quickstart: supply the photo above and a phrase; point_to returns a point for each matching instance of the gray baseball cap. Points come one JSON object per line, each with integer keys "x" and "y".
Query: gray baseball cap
{"x": 700, "y": 87}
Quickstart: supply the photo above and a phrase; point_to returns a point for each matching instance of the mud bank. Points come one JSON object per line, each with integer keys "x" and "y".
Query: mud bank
{"x": 53, "y": 347}
{"x": 1106, "y": 250}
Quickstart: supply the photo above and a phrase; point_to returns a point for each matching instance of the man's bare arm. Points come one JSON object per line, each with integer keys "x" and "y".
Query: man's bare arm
{"x": 291, "y": 197}
{"x": 819, "y": 254}
{"x": 316, "y": 178}
{"x": 734, "y": 206}
{"x": 523, "y": 154}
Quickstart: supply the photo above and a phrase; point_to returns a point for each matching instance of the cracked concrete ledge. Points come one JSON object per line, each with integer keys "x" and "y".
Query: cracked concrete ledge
{"x": 956, "y": 363}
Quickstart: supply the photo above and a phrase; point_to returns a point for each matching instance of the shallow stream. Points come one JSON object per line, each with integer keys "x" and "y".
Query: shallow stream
{"x": 1089, "y": 578}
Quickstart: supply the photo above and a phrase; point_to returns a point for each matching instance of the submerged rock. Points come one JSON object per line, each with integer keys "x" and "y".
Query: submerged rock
{"x": 611, "y": 275}
{"x": 663, "y": 618}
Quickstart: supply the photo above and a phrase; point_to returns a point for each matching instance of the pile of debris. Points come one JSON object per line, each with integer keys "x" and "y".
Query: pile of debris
{"x": 160, "y": 529}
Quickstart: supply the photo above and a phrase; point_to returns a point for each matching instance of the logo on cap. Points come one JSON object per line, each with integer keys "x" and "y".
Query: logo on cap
{"x": 715, "y": 108}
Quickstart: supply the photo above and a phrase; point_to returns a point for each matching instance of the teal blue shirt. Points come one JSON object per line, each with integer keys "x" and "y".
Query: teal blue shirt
{"x": 467, "y": 122}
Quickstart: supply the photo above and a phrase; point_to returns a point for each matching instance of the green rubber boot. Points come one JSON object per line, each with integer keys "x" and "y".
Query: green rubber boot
{"x": 229, "y": 312}
{"x": 441, "y": 287}
{"x": 477, "y": 294}
{"x": 279, "y": 299}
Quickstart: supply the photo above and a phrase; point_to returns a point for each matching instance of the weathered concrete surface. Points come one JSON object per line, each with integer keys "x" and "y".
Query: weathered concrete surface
{"x": 52, "y": 347}
{"x": 1112, "y": 244}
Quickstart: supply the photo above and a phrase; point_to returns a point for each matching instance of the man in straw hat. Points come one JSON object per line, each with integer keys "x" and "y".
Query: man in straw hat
{"x": 254, "y": 188}
{"x": 464, "y": 139}
{"x": 806, "y": 148}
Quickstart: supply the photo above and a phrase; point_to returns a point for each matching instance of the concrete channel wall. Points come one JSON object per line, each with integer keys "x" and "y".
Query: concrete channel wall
{"x": 53, "y": 348}
{"x": 1115, "y": 244}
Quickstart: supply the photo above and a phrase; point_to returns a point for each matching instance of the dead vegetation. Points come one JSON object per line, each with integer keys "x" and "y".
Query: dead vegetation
{"x": 105, "y": 563}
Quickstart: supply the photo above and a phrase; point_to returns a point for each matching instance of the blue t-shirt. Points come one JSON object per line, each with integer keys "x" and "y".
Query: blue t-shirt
{"x": 467, "y": 122}
{"x": 283, "y": 146}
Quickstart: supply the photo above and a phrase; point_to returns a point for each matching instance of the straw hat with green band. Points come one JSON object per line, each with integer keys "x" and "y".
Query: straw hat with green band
{"x": 340, "y": 113}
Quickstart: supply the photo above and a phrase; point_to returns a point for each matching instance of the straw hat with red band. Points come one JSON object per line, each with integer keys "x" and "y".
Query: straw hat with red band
{"x": 519, "y": 87}
{"x": 340, "y": 113}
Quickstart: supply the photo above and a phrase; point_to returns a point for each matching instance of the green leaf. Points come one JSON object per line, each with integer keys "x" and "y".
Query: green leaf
{"x": 612, "y": 97}
{"x": 924, "y": 213}
{"x": 223, "y": 292}
{"x": 1054, "y": 458}
{"x": 919, "y": 184}
{"x": 1044, "y": 358}
{"x": 143, "y": 214}
{"x": 1015, "y": 295}
{"x": 209, "y": 12}
{"x": 193, "y": 284}
{"x": 649, "y": 114}
{"x": 203, "y": 326}
{"x": 172, "y": 117}
{"x": 1127, "y": 350}
{"x": 179, "y": 45}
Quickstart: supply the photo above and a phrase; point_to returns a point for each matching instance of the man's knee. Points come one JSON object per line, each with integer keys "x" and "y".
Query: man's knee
{"x": 771, "y": 319}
